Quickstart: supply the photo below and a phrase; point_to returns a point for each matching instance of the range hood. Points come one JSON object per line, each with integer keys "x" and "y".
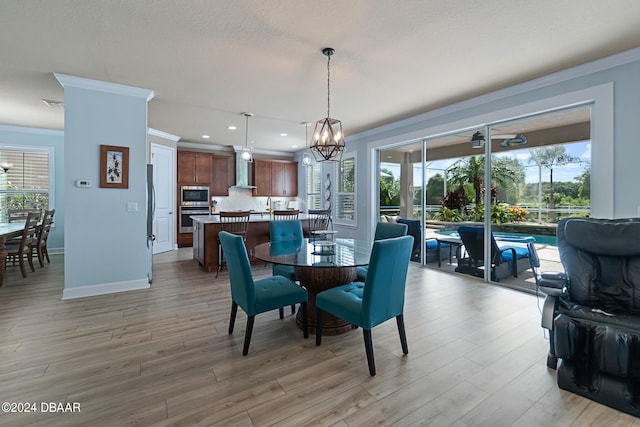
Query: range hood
{"x": 242, "y": 172}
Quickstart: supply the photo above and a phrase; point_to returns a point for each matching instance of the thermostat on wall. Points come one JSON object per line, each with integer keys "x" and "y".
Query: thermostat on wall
{"x": 83, "y": 183}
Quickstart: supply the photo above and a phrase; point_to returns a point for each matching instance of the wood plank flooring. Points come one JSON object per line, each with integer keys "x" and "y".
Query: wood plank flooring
{"x": 163, "y": 357}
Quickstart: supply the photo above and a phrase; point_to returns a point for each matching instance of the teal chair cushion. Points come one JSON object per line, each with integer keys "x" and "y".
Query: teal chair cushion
{"x": 345, "y": 301}
{"x": 522, "y": 252}
{"x": 275, "y": 292}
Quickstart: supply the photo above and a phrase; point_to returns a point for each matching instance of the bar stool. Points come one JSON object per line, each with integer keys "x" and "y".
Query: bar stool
{"x": 285, "y": 215}
{"x": 319, "y": 220}
{"x": 235, "y": 222}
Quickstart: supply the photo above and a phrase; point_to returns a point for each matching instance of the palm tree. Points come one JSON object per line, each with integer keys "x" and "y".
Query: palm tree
{"x": 470, "y": 170}
{"x": 550, "y": 158}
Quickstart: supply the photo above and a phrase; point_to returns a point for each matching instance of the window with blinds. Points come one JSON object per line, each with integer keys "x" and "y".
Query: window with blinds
{"x": 314, "y": 187}
{"x": 346, "y": 190}
{"x": 24, "y": 180}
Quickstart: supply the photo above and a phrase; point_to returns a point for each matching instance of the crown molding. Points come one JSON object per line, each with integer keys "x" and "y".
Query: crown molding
{"x": 118, "y": 89}
{"x": 35, "y": 131}
{"x": 165, "y": 135}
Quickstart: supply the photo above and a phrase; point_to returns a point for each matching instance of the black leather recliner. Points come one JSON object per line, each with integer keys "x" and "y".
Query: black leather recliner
{"x": 593, "y": 311}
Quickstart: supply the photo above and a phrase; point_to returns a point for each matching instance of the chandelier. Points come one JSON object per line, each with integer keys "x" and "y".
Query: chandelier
{"x": 328, "y": 138}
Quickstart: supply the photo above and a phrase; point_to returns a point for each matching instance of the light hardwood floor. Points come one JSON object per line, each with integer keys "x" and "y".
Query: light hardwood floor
{"x": 163, "y": 357}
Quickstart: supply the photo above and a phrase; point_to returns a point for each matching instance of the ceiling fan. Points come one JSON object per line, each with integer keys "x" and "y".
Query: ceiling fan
{"x": 509, "y": 140}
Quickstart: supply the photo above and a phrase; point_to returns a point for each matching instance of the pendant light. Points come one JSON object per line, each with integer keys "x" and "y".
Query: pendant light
{"x": 328, "y": 138}
{"x": 306, "y": 157}
{"x": 245, "y": 153}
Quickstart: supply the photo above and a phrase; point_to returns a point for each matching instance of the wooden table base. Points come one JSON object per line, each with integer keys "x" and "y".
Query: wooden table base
{"x": 316, "y": 280}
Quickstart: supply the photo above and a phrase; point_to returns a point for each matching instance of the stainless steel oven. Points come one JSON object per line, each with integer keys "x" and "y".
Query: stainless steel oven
{"x": 186, "y": 223}
{"x": 194, "y": 195}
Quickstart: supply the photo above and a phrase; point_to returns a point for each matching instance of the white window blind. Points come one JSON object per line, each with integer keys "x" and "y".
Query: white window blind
{"x": 314, "y": 186}
{"x": 25, "y": 185}
{"x": 346, "y": 190}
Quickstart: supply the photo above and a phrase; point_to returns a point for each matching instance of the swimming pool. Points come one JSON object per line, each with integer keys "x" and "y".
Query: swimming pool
{"x": 539, "y": 238}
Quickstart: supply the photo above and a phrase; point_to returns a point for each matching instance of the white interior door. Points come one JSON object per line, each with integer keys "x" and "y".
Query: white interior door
{"x": 164, "y": 221}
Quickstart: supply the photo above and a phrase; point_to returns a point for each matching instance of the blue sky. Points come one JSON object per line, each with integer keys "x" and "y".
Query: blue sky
{"x": 581, "y": 150}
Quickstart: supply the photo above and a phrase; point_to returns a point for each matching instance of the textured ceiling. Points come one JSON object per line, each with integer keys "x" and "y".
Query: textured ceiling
{"x": 208, "y": 61}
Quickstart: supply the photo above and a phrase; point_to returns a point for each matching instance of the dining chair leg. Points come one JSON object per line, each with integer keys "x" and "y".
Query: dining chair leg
{"x": 23, "y": 269}
{"x": 232, "y": 320}
{"x": 247, "y": 334}
{"x": 33, "y": 269}
{"x": 219, "y": 259}
{"x": 305, "y": 320}
{"x": 403, "y": 335}
{"x": 46, "y": 253}
{"x": 281, "y": 311}
{"x": 368, "y": 346}
{"x": 318, "y": 326}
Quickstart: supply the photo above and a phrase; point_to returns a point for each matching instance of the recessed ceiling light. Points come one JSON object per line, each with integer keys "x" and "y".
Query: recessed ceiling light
{"x": 283, "y": 134}
{"x": 206, "y": 136}
{"x": 294, "y": 146}
{"x": 232, "y": 127}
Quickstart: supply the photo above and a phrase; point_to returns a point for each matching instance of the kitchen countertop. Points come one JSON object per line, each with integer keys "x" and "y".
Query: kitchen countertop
{"x": 214, "y": 218}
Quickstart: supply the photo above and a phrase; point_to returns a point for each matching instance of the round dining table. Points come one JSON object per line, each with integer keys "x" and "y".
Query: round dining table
{"x": 319, "y": 265}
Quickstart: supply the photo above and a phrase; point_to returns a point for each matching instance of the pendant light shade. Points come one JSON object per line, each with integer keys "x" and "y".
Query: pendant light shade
{"x": 306, "y": 157}
{"x": 245, "y": 153}
{"x": 328, "y": 139}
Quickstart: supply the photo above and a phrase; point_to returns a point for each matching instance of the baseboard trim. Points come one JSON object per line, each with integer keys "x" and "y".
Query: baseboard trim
{"x": 104, "y": 289}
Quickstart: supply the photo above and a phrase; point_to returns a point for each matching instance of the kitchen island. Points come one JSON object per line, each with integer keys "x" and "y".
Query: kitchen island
{"x": 207, "y": 227}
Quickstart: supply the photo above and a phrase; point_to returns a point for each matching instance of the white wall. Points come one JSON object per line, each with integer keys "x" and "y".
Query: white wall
{"x": 611, "y": 84}
{"x": 105, "y": 244}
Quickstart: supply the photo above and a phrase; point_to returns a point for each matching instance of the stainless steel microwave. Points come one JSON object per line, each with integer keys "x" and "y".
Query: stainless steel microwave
{"x": 192, "y": 195}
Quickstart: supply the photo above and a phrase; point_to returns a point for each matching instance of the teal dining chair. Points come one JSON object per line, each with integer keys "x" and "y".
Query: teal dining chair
{"x": 380, "y": 299}
{"x": 259, "y": 296}
{"x": 285, "y": 231}
{"x": 384, "y": 230}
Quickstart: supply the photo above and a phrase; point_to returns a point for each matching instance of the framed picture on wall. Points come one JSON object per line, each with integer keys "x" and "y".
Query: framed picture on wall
{"x": 114, "y": 166}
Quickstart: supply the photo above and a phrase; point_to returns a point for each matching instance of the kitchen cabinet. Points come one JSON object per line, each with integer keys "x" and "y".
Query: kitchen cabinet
{"x": 194, "y": 168}
{"x": 220, "y": 167}
{"x": 284, "y": 179}
{"x": 262, "y": 177}
{"x": 275, "y": 178}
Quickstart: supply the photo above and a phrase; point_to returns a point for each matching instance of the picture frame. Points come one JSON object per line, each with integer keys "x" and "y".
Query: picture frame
{"x": 114, "y": 166}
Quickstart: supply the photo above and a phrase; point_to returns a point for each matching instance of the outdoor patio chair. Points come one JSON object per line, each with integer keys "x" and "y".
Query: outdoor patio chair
{"x": 506, "y": 259}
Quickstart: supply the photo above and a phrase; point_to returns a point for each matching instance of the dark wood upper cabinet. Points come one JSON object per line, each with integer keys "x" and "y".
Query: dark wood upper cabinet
{"x": 220, "y": 167}
{"x": 194, "y": 168}
{"x": 275, "y": 178}
{"x": 262, "y": 177}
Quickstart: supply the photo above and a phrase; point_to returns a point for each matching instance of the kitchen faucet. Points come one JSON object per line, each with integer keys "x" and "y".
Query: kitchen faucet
{"x": 269, "y": 205}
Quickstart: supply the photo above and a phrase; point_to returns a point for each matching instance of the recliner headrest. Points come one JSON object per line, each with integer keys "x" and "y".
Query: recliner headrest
{"x": 602, "y": 237}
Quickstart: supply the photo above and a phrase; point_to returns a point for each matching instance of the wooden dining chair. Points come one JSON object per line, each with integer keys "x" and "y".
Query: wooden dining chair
{"x": 39, "y": 248}
{"x": 21, "y": 249}
{"x": 257, "y": 296}
{"x": 234, "y": 222}
{"x": 285, "y": 215}
{"x": 319, "y": 219}
{"x": 380, "y": 299}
